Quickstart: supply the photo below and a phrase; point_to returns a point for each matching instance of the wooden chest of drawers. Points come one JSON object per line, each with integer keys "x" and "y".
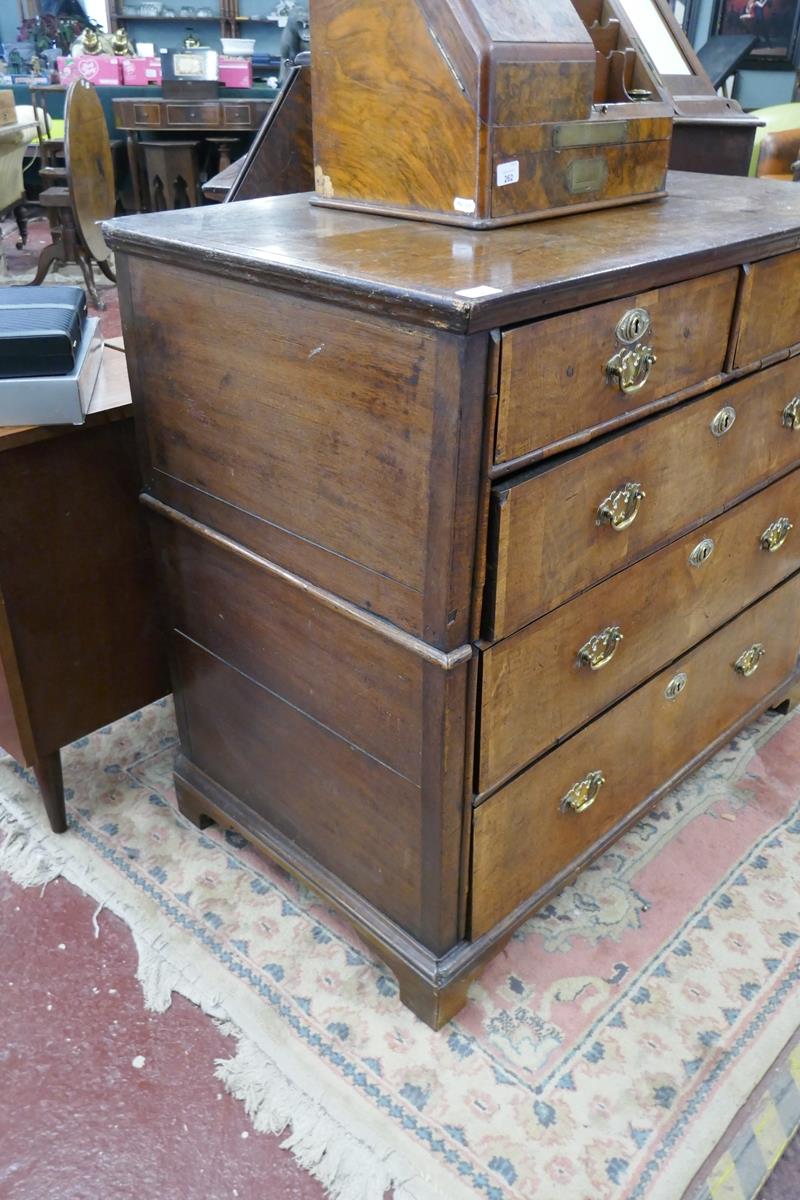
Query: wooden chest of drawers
{"x": 472, "y": 544}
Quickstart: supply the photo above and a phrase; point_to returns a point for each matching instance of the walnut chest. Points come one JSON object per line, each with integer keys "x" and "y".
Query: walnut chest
{"x": 472, "y": 544}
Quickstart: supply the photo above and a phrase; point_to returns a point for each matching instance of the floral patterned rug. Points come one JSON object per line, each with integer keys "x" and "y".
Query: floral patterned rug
{"x": 602, "y": 1055}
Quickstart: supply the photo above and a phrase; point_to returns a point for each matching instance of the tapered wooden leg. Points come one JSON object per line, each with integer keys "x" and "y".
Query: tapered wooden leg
{"x": 51, "y": 784}
{"x": 190, "y": 806}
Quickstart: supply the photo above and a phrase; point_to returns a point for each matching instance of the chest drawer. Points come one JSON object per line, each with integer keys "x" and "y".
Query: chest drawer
{"x": 659, "y": 608}
{"x": 561, "y": 810}
{"x": 590, "y": 370}
{"x": 237, "y": 115}
{"x": 770, "y": 318}
{"x": 193, "y": 114}
{"x": 148, "y": 115}
{"x": 569, "y": 523}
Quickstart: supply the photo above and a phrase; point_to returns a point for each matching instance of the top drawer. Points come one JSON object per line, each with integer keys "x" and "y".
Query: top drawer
{"x": 770, "y": 309}
{"x": 591, "y": 370}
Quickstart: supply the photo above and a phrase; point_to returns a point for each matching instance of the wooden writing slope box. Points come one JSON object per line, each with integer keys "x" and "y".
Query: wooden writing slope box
{"x": 473, "y": 544}
{"x": 483, "y": 112}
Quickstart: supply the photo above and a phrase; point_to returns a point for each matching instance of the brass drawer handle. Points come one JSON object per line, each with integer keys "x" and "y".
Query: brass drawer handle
{"x": 773, "y": 538}
{"x": 749, "y": 662}
{"x": 724, "y": 421}
{"x": 582, "y": 795}
{"x": 630, "y": 369}
{"x": 702, "y": 552}
{"x": 621, "y": 508}
{"x": 600, "y": 649}
{"x": 791, "y": 414}
{"x": 677, "y": 686}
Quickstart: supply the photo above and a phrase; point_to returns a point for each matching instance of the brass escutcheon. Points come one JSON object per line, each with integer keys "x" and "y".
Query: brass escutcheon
{"x": 630, "y": 369}
{"x": 600, "y": 649}
{"x": 702, "y": 552}
{"x": 621, "y": 508}
{"x": 633, "y": 326}
{"x": 676, "y": 686}
{"x": 773, "y": 538}
{"x": 791, "y": 414}
{"x": 723, "y": 422}
{"x": 582, "y": 795}
{"x": 748, "y": 663}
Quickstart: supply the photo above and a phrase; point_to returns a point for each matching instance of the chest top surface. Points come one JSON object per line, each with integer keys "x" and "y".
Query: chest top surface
{"x": 467, "y": 281}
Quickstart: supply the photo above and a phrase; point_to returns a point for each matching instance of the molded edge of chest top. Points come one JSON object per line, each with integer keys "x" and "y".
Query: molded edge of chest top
{"x": 462, "y": 280}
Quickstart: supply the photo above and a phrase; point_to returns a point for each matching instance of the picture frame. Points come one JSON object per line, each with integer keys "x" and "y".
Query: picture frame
{"x": 777, "y": 23}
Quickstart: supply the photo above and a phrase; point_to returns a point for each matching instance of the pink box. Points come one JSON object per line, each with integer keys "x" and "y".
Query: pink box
{"x": 97, "y": 68}
{"x": 235, "y": 72}
{"x": 139, "y": 71}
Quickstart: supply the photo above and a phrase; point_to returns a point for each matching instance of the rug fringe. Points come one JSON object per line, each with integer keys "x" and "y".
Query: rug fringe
{"x": 346, "y": 1166}
{"x": 341, "y": 1163}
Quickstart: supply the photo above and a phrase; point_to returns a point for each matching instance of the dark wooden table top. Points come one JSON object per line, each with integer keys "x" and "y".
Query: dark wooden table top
{"x": 467, "y": 280}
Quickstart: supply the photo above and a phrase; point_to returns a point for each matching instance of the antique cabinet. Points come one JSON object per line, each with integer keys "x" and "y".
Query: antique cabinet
{"x": 472, "y": 544}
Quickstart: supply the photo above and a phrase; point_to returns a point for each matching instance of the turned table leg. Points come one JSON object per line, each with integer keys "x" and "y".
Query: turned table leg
{"x": 51, "y": 784}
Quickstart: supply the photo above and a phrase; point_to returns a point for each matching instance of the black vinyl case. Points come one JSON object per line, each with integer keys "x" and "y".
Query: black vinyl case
{"x": 40, "y": 330}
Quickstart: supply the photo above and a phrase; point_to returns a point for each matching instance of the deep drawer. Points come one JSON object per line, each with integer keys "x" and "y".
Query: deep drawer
{"x": 661, "y": 606}
{"x": 531, "y": 833}
{"x": 558, "y": 376}
{"x": 770, "y": 319}
{"x": 551, "y": 531}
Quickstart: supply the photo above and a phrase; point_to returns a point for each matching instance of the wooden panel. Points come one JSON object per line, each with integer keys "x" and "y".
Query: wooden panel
{"x": 426, "y": 273}
{"x": 349, "y": 678}
{"x": 207, "y": 113}
{"x": 77, "y": 577}
{"x": 554, "y": 383}
{"x": 15, "y": 732}
{"x": 351, "y": 813}
{"x": 360, "y": 94}
{"x": 523, "y": 839}
{"x": 348, "y": 443}
{"x": 547, "y": 544}
{"x": 551, "y": 179}
{"x": 771, "y": 313}
{"x": 663, "y": 605}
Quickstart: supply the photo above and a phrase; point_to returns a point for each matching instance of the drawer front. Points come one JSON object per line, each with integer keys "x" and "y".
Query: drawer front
{"x": 551, "y": 536}
{"x": 148, "y": 115}
{"x": 770, "y": 318}
{"x": 591, "y": 369}
{"x": 237, "y": 116}
{"x": 660, "y": 606}
{"x": 193, "y": 114}
{"x": 530, "y": 833}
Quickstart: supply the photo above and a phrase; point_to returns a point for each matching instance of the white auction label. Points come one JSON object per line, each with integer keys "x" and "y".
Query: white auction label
{"x": 507, "y": 173}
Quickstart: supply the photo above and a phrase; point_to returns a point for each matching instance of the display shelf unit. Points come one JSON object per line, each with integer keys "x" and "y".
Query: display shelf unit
{"x": 229, "y": 19}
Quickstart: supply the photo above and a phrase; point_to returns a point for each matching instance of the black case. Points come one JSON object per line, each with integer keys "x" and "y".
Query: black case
{"x": 40, "y": 330}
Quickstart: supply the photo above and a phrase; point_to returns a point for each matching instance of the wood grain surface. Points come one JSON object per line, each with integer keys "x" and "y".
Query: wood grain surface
{"x": 522, "y": 838}
{"x": 547, "y": 545}
{"x": 663, "y": 605}
{"x": 771, "y": 311}
{"x": 419, "y": 272}
{"x": 566, "y": 358}
{"x": 352, "y": 461}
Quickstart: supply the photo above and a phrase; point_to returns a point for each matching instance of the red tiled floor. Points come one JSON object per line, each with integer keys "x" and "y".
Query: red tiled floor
{"x": 79, "y": 1120}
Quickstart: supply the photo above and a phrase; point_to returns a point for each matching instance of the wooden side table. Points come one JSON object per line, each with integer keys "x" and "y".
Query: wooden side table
{"x": 157, "y": 115}
{"x": 80, "y": 640}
